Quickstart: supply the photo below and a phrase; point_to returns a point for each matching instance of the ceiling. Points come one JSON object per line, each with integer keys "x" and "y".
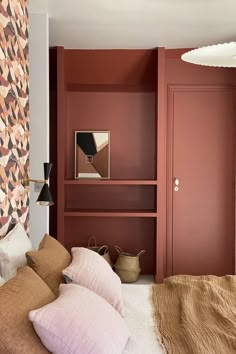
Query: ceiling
{"x": 130, "y": 24}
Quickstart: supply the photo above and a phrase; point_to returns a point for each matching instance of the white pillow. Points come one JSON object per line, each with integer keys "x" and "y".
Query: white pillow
{"x": 12, "y": 251}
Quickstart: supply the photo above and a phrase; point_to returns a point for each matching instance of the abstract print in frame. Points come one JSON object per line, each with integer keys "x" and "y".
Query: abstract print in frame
{"x": 92, "y": 154}
{"x": 14, "y": 114}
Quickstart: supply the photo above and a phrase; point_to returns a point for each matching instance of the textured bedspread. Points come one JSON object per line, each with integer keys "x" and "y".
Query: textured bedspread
{"x": 196, "y": 315}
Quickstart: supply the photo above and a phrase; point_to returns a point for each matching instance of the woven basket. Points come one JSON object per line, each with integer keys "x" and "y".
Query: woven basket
{"x": 127, "y": 266}
{"x": 102, "y": 250}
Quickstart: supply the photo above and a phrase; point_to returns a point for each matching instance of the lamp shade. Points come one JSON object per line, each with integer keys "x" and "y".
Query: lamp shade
{"x": 47, "y": 170}
{"x": 219, "y": 55}
{"x": 45, "y": 197}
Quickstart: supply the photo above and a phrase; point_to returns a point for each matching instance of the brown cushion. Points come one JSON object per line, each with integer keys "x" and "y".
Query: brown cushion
{"x": 49, "y": 261}
{"x": 18, "y": 296}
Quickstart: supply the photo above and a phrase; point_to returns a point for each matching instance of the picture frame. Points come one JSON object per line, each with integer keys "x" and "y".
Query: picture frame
{"x": 92, "y": 154}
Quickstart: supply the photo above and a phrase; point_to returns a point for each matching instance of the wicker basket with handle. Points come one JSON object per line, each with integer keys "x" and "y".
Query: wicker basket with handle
{"x": 127, "y": 266}
{"x": 102, "y": 250}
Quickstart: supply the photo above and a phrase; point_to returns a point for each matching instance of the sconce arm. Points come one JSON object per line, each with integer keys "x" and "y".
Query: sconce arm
{"x": 26, "y": 181}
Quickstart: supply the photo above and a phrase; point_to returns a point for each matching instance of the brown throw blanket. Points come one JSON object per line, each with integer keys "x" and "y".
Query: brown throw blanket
{"x": 196, "y": 315}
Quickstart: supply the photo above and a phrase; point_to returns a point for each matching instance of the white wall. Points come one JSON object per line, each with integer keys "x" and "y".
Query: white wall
{"x": 39, "y": 117}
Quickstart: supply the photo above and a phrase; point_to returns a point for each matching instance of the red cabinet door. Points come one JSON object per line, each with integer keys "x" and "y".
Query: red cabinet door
{"x": 203, "y": 208}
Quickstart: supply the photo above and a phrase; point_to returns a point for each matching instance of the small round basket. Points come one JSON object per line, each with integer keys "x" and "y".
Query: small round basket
{"x": 127, "y": 266}
{"x": 102, "y": 250}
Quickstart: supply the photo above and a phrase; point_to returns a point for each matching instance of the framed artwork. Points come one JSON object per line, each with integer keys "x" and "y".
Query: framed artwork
{"x": 92, "y": 154}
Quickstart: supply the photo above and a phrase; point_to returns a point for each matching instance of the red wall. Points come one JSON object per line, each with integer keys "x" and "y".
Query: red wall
{"x": 130, "y": 118}
{"x": 126, "y": 68}
{"x": 179, "y": 72}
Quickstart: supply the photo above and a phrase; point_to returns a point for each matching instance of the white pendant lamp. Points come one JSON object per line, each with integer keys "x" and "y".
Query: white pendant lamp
{"x": 221, "y": 55}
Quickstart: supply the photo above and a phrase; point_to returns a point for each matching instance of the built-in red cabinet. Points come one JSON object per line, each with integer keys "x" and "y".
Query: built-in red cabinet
{"x": 144, "y": 98}
{"x": 114, "y": 91}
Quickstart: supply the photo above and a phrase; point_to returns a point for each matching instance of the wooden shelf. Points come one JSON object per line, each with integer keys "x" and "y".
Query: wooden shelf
{"x": 110, "y": 88}
{"x": 110, "y": 182}
{"x": 111, "y": 213}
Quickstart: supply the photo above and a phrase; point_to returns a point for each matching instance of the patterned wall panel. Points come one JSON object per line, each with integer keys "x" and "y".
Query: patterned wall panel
{"x": 14, "y": 113}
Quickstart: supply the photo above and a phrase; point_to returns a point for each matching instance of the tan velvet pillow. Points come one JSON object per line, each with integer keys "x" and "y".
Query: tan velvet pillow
{"x": 49, "y": 261}
{"x": 18, "y": 296}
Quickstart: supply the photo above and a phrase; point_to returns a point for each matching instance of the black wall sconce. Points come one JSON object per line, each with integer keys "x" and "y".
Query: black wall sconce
{"x": 45, "y": 197}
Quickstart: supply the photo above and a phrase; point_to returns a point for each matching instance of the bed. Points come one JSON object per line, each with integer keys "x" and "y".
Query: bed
{"x": 95, "y": 314}
{"x": 185, "y": 314}
{"x": 138, "y": 316}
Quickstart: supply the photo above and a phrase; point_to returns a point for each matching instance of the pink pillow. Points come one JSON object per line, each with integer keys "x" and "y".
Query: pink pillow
{"x": 80, "y": 322}
{"x": 89, "y": 269}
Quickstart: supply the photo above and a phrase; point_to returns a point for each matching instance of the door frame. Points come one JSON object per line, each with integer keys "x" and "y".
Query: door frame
{"x": 171, "y": 90}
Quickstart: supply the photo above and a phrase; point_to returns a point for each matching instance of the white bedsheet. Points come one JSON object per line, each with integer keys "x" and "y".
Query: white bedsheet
{"x": 138, "y": 315}
{"x": 2, "y": 281}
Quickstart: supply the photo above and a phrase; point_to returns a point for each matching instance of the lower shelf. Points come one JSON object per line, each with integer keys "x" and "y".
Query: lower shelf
{"x": 112, "y": 213}
{"x": 107, "y": 182}
{"x": 131, "y": 234}
{"x": 144, "y": 280}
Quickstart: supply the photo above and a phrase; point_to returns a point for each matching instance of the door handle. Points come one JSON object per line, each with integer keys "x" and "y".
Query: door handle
{"x": 176, "y": 181}
{"x": 176, "y": 184}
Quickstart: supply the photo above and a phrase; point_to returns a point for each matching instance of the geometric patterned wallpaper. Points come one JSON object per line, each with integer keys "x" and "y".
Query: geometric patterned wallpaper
{"x": 14, "y": 113}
